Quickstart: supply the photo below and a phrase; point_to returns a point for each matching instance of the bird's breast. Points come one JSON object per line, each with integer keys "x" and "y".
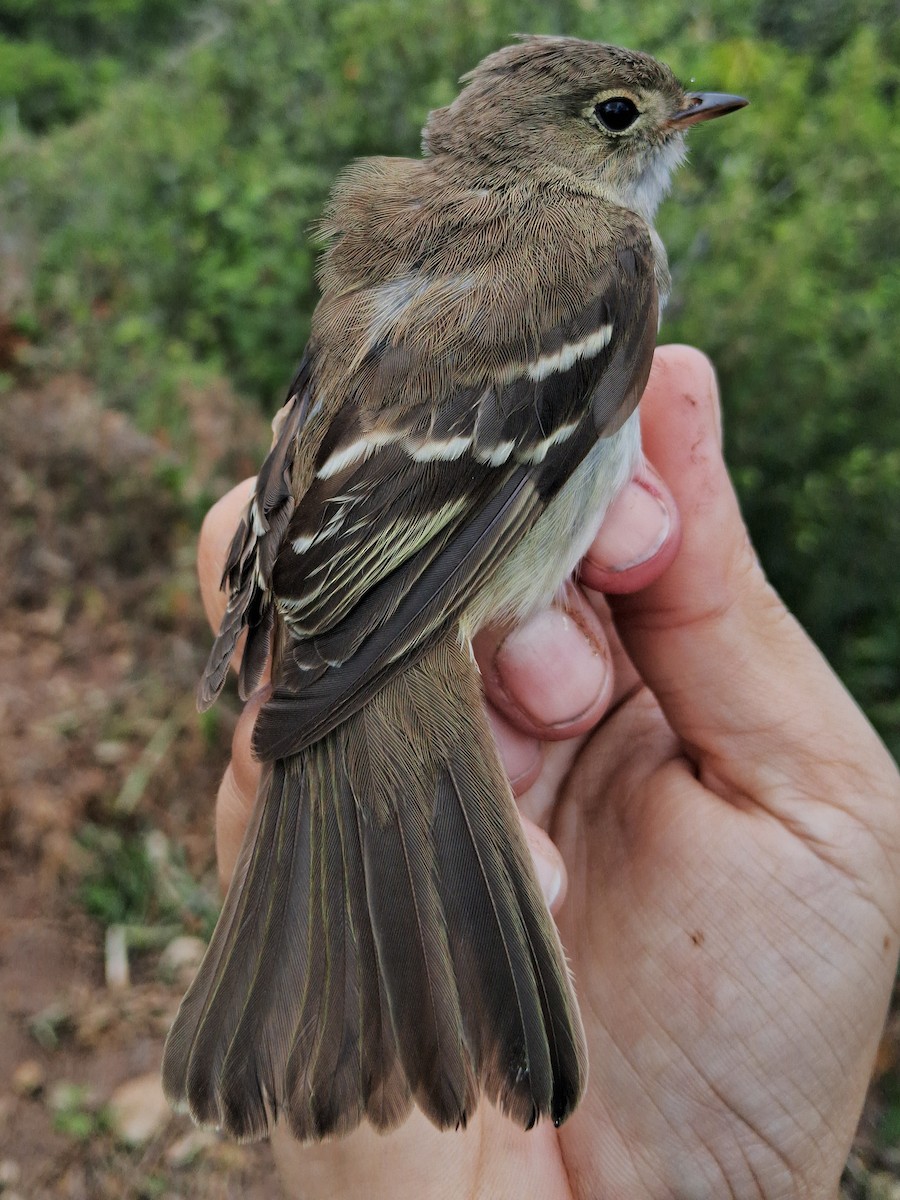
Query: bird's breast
{"x": 547, "y": 555}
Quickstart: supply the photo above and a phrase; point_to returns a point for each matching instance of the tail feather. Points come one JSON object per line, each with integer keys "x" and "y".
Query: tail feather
{"x": 363, "y": 1062}
{"x": 272, "y": 950}
{"x": 245, "y": 1023}
{"x": 384, "y": 938}
{"x": 562, "y": 1020}
{"x": 414, "y": 959}
{"x": 503, "y": 1019}
{"x": 324, "y": 1080}
{"x": 182, "y": 1038}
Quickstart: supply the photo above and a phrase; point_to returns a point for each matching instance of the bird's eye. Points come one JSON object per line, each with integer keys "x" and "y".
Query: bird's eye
{"x": 617, "y": 113}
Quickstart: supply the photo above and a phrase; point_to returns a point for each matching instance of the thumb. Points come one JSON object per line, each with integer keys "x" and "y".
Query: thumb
{"x": 752, "y": 700}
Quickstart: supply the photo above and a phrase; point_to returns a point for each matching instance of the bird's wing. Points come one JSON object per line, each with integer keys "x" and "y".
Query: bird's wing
{"x": 410, "y": 508}
{"x": 254, "y": 548}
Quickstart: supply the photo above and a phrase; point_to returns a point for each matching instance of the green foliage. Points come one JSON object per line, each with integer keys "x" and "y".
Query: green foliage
{"x": 795, "y": 297}
{"x": 169, "y": 236}
{"x": 139, "y": 881}
{"x": 75, "y": 1112}
{"x": 58, "y": 57}
{"x": 119, "y": 886}
{"x": 46, "y": 85}
{"x": 888, "y": 1129}
{"x": 823, "y": 26}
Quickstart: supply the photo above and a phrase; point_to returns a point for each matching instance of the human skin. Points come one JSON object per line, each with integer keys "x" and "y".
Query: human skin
{"x": 717, "y": 828}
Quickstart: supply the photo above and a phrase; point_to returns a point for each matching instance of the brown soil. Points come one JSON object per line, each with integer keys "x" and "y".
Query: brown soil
{"x": 100, "y": 644}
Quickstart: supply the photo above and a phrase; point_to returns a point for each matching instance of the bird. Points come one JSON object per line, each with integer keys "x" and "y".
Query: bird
{"x": 464, "y": 414}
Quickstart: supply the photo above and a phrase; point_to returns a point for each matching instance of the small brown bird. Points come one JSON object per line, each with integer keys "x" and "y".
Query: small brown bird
{"x": 462, "y": 418}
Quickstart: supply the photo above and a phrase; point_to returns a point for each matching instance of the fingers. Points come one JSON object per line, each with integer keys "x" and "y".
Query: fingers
{"x": 216, "y": 533}
{"x": 552, "y": 676}
{"x": 519, "y": 752}
{"x": 237, "y": 791}
{"x": 638, "y": 539}
{"x": 738, "y": 679}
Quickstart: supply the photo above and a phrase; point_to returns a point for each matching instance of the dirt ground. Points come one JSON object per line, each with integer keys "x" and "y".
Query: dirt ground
{"x": 107, "y": 778}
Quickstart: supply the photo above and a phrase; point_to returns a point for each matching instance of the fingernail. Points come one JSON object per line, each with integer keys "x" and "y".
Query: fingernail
{"x": 547, "y": 866}
{"x": 522, "y": 762}
{"x": 550, "y": 669}
{"x": 549, "y": 876}
{"x": 520, "y": 753}
{"x": 635, "y": 529}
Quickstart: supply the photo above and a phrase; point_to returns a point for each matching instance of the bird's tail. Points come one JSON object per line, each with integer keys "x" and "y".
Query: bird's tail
{"x": 384, "y": 939}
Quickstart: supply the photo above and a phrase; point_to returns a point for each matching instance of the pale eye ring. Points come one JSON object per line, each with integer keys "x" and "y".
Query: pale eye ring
{"x": 617, "y": 113}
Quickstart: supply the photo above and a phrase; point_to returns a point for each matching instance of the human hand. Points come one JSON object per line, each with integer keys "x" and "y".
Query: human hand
{"x": 729, "y": 826}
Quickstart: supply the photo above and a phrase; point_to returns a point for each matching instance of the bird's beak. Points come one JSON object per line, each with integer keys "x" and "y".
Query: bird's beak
{"x": 703, "y": 106}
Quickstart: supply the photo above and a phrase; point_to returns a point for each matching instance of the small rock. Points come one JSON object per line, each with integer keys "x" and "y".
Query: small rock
{"x": 138, "y": 1110}
{"x": 48, "y": 621}
{"x": 157, "y": 848}
{"x": 10, "y": 1174}
{"x": 189, "y": 1148}
{"x": 179, "y": 961}
{"x": 51, "y": 1024}
{"x": 110, "y": 753}
{"x": 230, "y": 1157}
{"x": 883, "y": 1186}
{"x": 115, "y": 960}
{"x": 68, "y": 1097}
{"x": 28, "y": 1078}
{"x": 95, "y": 1018}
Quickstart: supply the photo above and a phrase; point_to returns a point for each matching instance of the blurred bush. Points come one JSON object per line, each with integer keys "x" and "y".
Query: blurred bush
{"x": 165, "y": 235}
{"x": 58, "y": 57}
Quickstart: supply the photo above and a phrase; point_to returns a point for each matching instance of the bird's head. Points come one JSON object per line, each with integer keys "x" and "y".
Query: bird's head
{"x": 596, "y": 119}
